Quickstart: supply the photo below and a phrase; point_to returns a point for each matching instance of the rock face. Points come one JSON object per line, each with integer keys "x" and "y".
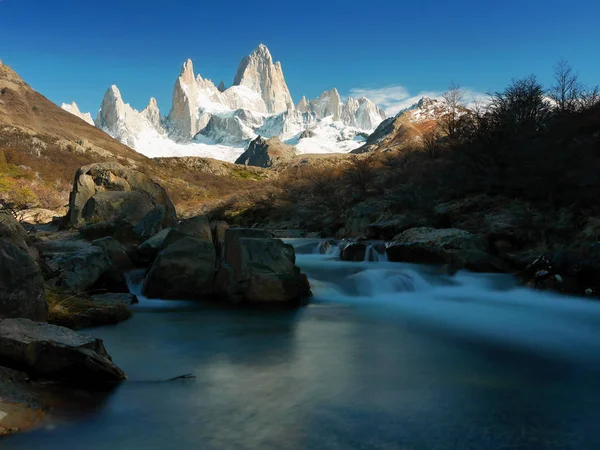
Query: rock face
{"x": 185, "y": 102}
{"x": 22, "y": 291}
{"x": 266, "y": 152}
{"x": 12, "y": 230}
{"x": 258, "y": 269}
{"x": 107, "y": 191}
{"x": 152, "y": 113}
{"x": 124, "y": 123}
{"x": 328, "y": 104}
{"x": 56, "y": 353}
{"x": 75, "y": 265}
{"x": 261, "y": 75}
{"x": 184, "y": 270}
{"x": 362, "y": 113}
{"x": 198, "y": 227}
{"x": 74, "y": 109}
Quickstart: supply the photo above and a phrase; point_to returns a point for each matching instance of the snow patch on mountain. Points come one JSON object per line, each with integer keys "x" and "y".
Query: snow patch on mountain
{"x": 219, "y": 122}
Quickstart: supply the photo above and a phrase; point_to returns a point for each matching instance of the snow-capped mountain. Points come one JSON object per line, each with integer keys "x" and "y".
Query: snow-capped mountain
{"x": 74, "y": 109}
{"x": 219, "y": 122}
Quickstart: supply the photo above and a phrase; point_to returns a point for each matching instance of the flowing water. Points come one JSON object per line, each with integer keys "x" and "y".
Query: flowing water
{"x": 387, "y": 356}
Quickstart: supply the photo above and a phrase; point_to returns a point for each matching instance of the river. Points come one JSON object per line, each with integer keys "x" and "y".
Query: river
{"x": 387, "y": 356}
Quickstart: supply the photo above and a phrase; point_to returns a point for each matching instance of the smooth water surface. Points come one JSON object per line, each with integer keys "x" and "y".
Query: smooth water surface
{"x": 388, "y": 356}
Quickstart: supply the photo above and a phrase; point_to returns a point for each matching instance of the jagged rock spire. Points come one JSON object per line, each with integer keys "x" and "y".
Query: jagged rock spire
{"x": 259, "y": 73}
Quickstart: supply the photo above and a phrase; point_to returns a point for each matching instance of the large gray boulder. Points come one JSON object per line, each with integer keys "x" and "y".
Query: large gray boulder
{"x": 56, "y": 353}
{"x": 184, "y": 270}
{"x": 110, "y": 206}
{"x": 198, "y": 227}
{"x": 259, "y": 269}
{"x": 22, "y": 291}
{"x": 12, "y": 230}
{"x": 107, "y": 191}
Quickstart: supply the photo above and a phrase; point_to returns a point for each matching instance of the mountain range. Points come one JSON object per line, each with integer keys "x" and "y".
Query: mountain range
{"x": 215, "y": 121}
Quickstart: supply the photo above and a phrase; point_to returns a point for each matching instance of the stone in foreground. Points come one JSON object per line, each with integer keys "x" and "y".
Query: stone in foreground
{"x": 56, "y": 353}
{"x": 258, "y": 269}
{"x": 182, "y": 271}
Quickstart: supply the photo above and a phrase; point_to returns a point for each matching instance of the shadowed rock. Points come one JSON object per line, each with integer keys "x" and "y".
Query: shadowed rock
{"x": 56, "y": 353}
{"x": 22, "y": 291}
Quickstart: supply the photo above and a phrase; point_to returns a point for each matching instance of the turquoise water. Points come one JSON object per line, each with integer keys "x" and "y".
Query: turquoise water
{"x": 387, "y": 356}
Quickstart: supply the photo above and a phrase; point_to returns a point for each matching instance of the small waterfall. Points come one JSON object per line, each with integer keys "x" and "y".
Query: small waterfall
{"x": 135, "y": 280}
{"x": 373, "y": 255}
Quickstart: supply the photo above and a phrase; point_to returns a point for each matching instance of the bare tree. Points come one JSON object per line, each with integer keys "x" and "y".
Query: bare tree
{"x": 522, "y": 106}
{"x": 566, "y": 89}
{"x": 589, "y": 97}
{"x": 454, "y": 102}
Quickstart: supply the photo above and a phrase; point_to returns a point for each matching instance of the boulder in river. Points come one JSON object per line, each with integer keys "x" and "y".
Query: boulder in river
{"x": 259, "y": 269}
{"x": 56, "y": 353}
{"x": 353, "y": 251}
{"x": 184, "y": 270}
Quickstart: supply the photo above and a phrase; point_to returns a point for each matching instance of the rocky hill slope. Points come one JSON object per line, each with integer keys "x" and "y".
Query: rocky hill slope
{"x": 42, "y": 146}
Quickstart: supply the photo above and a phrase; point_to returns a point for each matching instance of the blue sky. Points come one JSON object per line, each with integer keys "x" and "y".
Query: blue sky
{"x": 391, "y": 50}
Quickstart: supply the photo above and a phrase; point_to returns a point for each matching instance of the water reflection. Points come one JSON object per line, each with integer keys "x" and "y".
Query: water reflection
{"x": 388, "y": 357}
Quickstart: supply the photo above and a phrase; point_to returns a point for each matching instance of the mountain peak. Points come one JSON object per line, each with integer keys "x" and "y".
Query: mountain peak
{"x": 258, "y": 73}
{"x": 263, "y": 52}
{"x": 187, "y": 72}
{"x": 113, "y": 91}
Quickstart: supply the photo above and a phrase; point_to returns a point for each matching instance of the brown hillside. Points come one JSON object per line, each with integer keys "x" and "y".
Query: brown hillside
{"x": 41, "y": 147}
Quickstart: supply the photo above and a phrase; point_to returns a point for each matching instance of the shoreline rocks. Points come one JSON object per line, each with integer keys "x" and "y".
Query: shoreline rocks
{"x": 57, "y": 353}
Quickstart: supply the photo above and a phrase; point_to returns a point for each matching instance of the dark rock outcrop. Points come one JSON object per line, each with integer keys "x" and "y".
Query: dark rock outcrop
{"x": 259, "y": 269}
{"x": 22, "y": 292}
{"x": 184, "y": 270}
{"x": 12, "y": 230}
{"x": 75, "y": 265}
{"x": 575, "y": 272}
{"x": 353, "y": 251}
{"x": 198, "y": 227}
{"x": 457, "y": 249}
{"x": 266, "y": 152}
{"x": 56, "y": 353}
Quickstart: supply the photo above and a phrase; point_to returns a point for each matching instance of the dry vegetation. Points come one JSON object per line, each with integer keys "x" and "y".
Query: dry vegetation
{"x": 537, "y": 160}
